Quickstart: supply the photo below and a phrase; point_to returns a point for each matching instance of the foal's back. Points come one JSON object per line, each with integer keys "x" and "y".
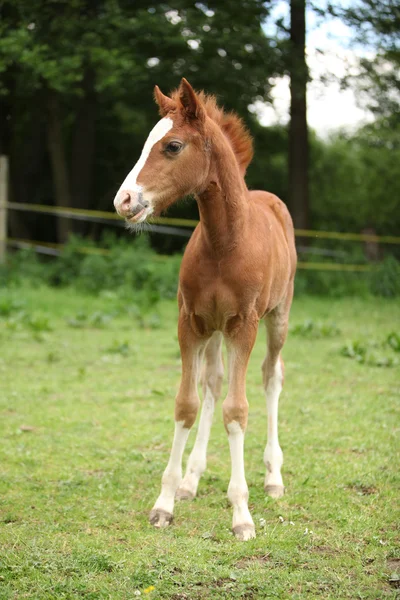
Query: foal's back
{"x": 273, "y": 209}
{"x": 274, "y": 229}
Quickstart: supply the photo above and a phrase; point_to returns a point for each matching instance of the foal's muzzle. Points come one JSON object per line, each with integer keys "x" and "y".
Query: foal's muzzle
{"x": 131, "y": 205}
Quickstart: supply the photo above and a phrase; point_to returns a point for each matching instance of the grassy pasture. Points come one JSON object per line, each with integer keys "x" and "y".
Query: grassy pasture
{"x": 86, "y": 405}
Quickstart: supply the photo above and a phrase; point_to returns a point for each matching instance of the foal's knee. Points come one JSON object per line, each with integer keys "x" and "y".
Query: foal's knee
{"x": 233, "y": 410}
{"x": 273, "y": 369}
{"x": 186, "y": 409}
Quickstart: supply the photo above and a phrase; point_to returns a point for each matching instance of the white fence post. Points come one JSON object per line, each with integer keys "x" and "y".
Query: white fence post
{"x": 3, "y": 207}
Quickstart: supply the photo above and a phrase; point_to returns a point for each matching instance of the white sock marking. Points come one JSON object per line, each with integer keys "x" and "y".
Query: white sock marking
{"x": 273, "y": 457}
{"x": 198, "y": 458}
{"x": 238, "y": 492}
{"x": 173, "y": 473}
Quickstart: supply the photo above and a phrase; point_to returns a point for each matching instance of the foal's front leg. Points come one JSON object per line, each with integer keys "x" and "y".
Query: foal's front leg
{"x": 235, "y": 411}
{"x": 186, "y": 407}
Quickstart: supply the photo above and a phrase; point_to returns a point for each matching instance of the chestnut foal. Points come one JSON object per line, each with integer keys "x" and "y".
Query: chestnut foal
{"x": 238, "y": 268}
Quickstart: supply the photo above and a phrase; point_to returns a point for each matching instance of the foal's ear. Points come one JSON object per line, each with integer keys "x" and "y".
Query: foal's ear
{"x": 190, "y": 101}
{"x": 165, "y": 104}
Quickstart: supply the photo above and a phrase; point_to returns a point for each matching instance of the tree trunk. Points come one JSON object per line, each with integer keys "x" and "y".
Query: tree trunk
{"x": 58, "y": 163}
{"x": 28, "y": 165}
{"x": 298, "y": 132}
{"x": 82, "y": 152}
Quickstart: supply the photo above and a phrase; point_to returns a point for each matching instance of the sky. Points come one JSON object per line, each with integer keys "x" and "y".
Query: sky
{"x": 329, "y": 107}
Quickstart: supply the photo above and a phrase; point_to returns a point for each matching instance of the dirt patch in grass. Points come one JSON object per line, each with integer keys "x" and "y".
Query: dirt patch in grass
{"x": 94, "y": 472}
{"x": 363, "y": 489}
{"x": 245, "y": 563}
{"x": 394, "y": 581}
{"x": 325, "y": 550}
{"x": 394, "y": 565}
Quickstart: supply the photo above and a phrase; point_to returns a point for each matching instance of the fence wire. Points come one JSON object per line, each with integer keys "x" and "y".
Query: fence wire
{"x": 177, "y": 226}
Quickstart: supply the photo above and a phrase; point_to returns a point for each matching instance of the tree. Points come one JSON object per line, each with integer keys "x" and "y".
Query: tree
{"x": 80, "y": 75}
{"x": 298, "y": 131}
{"x": 354, "y": 183}
{"x": 376, "y": 28}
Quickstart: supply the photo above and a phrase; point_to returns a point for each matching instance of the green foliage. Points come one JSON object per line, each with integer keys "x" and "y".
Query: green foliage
{"x": 37, "y": 323}
{"x": 67, "y": 267}
{"x": 117, "y": 347}
{"x": 96, "y": 320}
{"x": 17, "y": 318}
{"x": 151, "y": 321}
{"x": 140, "y": 278}
{"x": 269, "y": 169}
{"x": 374, "y": 353}
{"x": 354, "y": 182}
{"x": 334, "y": 284}
{"x": 129, "y": 266}
{"x": 376, "y": 26}
{"x": 96, "y": 64}
{"x": 23, "y": 266}
{"x": 55, "y": 43}
{"x": 393, "y": 340}
{"x": 385, "y": 280}
{"x": 10, "y": 305}
{"x": 144, "y": 272}
{"x": 315, "y": 330}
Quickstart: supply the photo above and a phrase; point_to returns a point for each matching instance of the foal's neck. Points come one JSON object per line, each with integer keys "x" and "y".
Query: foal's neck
{"x": 223, "y": 205}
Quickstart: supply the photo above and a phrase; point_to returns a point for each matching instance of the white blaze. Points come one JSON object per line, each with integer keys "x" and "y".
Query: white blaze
{"x": 155, "y": 135}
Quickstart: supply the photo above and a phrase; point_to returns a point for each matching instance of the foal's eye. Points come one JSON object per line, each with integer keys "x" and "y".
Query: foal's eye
{"x": 174, "y": 147}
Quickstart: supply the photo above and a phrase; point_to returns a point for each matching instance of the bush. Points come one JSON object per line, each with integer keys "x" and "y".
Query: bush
{"x": 23, "y": 266}
{"x": 129, "y": 266}
{"x": 144, "y": 277}
{"x": 334, "y": 284}
{"x": 385, "y": 280}
{"x": 382, "y": 280}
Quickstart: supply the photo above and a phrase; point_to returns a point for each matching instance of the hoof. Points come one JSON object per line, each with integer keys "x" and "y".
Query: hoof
{"x": 275, "y": 491}
{"x": 244, "y": 532}
{"x": 183, "y": 494}
{"x": 160, "y": 518}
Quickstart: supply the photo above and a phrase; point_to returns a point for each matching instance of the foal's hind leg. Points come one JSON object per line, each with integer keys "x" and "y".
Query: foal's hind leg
{"x": 212, "y": 381}
{"x": 273, "y": 375}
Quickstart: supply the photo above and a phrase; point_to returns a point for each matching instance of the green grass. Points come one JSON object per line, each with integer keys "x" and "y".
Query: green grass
{"x": 86, "y": 409}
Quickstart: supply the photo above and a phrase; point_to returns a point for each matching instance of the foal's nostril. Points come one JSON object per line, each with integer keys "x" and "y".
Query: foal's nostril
{"x": 130, "y": 203}
{"x": 125, "y": 199}
{"x": 143, "y": 203}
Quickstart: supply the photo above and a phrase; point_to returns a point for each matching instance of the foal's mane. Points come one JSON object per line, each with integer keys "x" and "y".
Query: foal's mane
{"x": 232, "y": 126}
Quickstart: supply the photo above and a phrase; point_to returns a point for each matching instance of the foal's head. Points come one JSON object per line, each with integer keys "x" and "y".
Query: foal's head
{"x": 176, "y": 157}
{"x": 174, "y": 160}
